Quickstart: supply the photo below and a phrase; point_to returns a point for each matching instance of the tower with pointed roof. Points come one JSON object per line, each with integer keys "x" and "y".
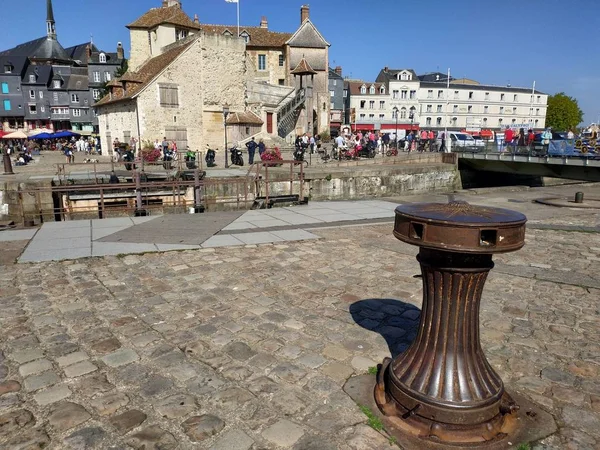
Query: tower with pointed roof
{"x": 50, "y": 24}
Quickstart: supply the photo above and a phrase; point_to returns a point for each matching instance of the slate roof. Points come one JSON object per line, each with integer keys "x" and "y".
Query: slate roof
{"x": 386, "y": 75}
{"x": 259, "y": 37}
{"x": 354, "y": 87}
{"x": 78, "y": 52}
{"x": 41, "y": 49}
{"x": 170, "y": 14}
{"x": 17, "y": 61}
{"x": 480, "y": 87}
{"x": 307, "y": 36}
{"x": 24, "y": 49}
{"x": 146, "y": 73}
{"x": 435, "y": 76}
{"x": 78, "y": 83}
{"x": 43, "y": 74}
{"x": 246, "y": 118}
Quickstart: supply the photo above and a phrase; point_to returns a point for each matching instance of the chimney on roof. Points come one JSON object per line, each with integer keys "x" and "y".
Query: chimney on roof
{"x": 174, "y": 3}
{"x": 386, "y": 68}
{"x": 120, "y": 51}
{"x": 164, "y": 3}
{"x": 88, "y": 51}
{"x": 304, "y": 13}
{"x": 264, "y": 23}
{"x": 338, "y": 70}
{"x": 196, "y": 20}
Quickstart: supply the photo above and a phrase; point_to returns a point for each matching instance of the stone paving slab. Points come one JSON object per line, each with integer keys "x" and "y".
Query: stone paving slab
{"x": 17, "y": 235}
{"x": 258, "y": 340}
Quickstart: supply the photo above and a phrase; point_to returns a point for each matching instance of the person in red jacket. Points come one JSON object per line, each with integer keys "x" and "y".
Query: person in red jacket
{"x": 508, "y": 137}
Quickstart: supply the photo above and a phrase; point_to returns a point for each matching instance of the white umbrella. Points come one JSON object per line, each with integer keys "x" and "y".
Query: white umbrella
{"x": 39, "y": 131}
{"x": 15, "y": 135}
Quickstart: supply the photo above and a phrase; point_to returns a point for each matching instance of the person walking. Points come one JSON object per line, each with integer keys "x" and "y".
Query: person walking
{"x": 312, "y": 144}
{"x": 431, "y": 138}
{"x": 443, "y": 144}
{"x": 530, "y": 139}
{"x": 508, "y": 137}
{"x": 546, "y": 138}
{"x": 251, "y": 146}
{"x": 521, "y": 139}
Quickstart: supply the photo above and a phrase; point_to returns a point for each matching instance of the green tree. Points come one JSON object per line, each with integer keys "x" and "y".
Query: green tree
{"x": 563, "y": 112}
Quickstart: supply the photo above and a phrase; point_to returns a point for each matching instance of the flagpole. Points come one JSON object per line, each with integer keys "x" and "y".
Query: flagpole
{"x": 447, "y": 106}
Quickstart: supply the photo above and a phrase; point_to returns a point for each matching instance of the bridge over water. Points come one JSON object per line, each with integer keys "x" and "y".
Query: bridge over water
{"x": 568, "y": 167}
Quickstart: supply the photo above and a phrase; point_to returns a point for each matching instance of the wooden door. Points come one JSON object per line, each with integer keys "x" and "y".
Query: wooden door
{"x": 270, "y": 123}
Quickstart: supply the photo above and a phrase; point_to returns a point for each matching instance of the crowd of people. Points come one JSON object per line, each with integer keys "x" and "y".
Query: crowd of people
{"x": 413, "y": 141}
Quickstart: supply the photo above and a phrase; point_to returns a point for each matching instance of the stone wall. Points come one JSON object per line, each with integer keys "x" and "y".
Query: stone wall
{"x": 140, "y": 49}
{"x": 116, "y": 120}
{"x": 273, "y": 72}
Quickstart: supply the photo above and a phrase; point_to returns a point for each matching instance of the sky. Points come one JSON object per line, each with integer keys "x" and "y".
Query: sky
{"x": 516, "y": 42}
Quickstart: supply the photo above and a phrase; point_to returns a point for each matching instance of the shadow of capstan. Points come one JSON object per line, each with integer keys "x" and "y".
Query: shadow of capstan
{"x": 395, "y": 320}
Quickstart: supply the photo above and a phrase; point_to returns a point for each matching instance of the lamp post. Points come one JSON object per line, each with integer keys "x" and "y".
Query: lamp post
{"x": 411, "y": 116}
{"x": 225, "y": 114}
{"x": 396, "y": 136}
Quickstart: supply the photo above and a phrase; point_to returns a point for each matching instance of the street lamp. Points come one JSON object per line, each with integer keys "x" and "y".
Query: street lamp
{"x": 225, "y": 114}
{"x": 396, "y": 115}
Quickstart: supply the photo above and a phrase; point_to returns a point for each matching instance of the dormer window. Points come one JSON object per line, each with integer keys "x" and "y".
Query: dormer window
{"x": 227, "y": 33}
{"x": 56, "y": 84}
{"x": 245, "y": 36}
{"x": 372, "y": 90}
{"x": 32, "y": 78}
{"x": 102, "y": 58}
{"x": 181, "y": 34}
{"x": 363, "y": 89}
{"x": 382, "y": 90}
{"x": 8, "y": 68}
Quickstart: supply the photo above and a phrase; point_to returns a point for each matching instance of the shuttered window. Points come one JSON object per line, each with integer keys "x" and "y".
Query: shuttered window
{"x": 169, "y": 96}
{"x": 179, "y": 135}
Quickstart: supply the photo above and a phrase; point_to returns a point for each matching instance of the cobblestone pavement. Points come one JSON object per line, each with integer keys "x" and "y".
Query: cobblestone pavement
{"x": 248, "y": 347}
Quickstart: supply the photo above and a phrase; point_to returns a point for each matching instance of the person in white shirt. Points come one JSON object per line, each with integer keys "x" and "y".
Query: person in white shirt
{"x": 570, "y": 135}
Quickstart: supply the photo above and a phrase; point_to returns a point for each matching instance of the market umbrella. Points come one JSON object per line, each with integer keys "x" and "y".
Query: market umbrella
{"x": 15, "y": 135}
{"x": 65, "y": 134}
{"x": 39, "y": 131}
{"x": 41, "y": 136}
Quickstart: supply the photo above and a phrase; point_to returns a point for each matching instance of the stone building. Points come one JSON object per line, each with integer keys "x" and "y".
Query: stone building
{"x": 336, "y": 98}
{"x": 270, "y": 102}
{"x": 178, "y": 94}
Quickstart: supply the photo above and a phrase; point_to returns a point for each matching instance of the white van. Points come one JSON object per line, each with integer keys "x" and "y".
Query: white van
{"x": 461, "y": 141}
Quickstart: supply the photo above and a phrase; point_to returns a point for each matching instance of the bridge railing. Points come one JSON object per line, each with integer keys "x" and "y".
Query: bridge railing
{"x": 556, "y": 149}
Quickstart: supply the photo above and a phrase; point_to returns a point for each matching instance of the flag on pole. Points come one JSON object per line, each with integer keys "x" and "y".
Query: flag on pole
{"x": 238, "y": 14}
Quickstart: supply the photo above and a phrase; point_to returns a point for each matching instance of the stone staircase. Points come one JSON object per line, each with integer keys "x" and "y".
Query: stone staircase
{"x": 288, "y": 113}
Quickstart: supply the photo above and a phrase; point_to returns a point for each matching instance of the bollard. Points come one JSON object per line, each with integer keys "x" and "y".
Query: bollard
{"x": 579, "y": 197}
{"x": 198, "y": 206}
{"x": 442, "y": 389}
{"x": 139, "y": 207}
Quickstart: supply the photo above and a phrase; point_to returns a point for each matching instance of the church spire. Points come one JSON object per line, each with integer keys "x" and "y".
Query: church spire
{"x": 50, "y": 25}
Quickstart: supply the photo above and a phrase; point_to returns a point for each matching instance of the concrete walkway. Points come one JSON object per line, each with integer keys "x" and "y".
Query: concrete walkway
{"x": 56, "y": 241}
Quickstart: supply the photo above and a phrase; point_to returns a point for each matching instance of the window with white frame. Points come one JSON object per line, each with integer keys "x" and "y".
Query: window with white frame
{"x": 514, "y": 121}
{"x": 262, "y": 62}
{"x": 31, "y": 94}
{"x": 454, "y": 120}
{"x": 76, "y": 112}
{"x": 395, "y": 95}
{"x": 430, "y": 93}
{"x": 382, "y": 90}
{"x": 456, "y": 94}
{"x": 102, "y": 58}
{"x": 455, "y": 108}
{"x": 514, "y": 111}
{"x": 485, "y": 109}
{"x": 405, "y": 76}
{"x": 56, "y": 84}
{"x": 502, "y": 110}
{"x": 500, "y": 121}
{"x": 537, "y": 111}
{"x": 438, "y": 121}
{"x": 469, "y": 108}
{"x": 485, "y": 121}
{"x": 539, "y": 99}
{"x": 96, "y": 94}
{"x": 345, "y": 93}
{"x": 381, "y": 116}
{"x": 428, "y": 121}
{"x": 32, "y": 78}
{"x": 107, "y": 76}
{"x": 470, "y": 94}
{"x": 362, "y": 116}
{"x": 42, "y": 108}
{"x": 440, "y": 94}
{"x": 331, "y": 105}
{"x": 74, "y": 98}
{"x": 372, "y": 90}
{"x": 413, "y": 95}
{"x": 96, "y": 77}
{"x": 363, "y": 89}
{"x": 55, "y": 96}
{"x": 487, "y": 95}
{"x": 372, "y": 104}
{"x": 332, "y": 93}
{"x": 404, "y": 94}
{"x": 403, "y": 113}
{"x": 371, "y": 116}
{"x": 362, "y": 104}
{"x": 282, "y": 60}
{"x": 381, "y": 104}
{"x": 429, "y": 108}
{"x": 502, "y": 97}
{"x": 32, "y": 109}
{"x": 439, "y": 108}
{"x": 515, "y": 97}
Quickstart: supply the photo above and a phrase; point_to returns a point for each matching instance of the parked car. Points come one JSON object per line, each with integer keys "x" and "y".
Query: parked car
{"x": 462, "y": 142}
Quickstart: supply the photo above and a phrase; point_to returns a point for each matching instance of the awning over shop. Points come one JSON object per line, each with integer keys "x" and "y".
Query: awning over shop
{"x": 363, "y": 126}
{"x": 401, "y": 126}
